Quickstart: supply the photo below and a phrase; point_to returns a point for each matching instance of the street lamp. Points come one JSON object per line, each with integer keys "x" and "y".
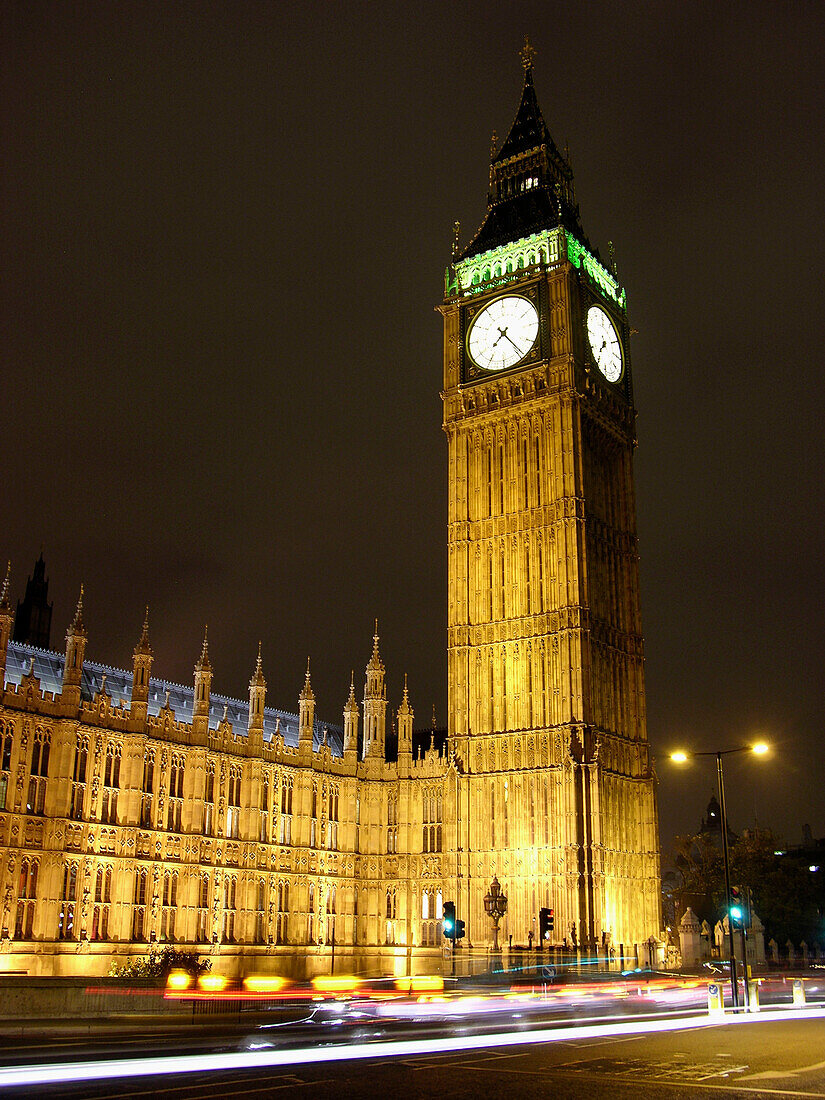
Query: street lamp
{"x": 495, "y": 905}
{"x": 760, "y": 748}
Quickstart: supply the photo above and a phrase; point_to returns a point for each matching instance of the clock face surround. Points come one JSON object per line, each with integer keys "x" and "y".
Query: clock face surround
{"x": 503, "y": 333}
{"x": 604, "y": 344}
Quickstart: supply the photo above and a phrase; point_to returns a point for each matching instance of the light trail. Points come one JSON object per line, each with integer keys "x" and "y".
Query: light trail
{"x": 80, "y": 1072}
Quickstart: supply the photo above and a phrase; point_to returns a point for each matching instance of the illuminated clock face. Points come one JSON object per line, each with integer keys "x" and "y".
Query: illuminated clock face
{"x": 604, "y": 343}
{"x": 503, "y": 333}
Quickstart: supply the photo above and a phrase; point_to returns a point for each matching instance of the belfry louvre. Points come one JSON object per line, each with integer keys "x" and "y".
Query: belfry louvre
{"x": 136, "y": 812}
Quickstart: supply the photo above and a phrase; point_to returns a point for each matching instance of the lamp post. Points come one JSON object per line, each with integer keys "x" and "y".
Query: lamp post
{"x": 681, "y": 758}
{"x": 495, "y": 905}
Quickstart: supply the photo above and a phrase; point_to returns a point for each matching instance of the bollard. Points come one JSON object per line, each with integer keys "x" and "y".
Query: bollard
{"x": 716, "y": 999}
{"x": 753, "y": 996}
{"x": 798, "y": 991}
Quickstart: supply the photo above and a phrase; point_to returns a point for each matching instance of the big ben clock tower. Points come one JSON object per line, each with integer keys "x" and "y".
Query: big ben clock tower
{"x": 545, "y": 664}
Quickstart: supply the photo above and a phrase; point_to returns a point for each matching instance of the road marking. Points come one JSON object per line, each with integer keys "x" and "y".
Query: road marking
{"x": 769, "y": 1074}
{"x": 726, "y": 1072}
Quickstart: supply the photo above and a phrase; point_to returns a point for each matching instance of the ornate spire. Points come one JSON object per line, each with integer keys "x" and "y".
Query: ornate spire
{"x": 307, "y": 694}
{"x": 523, "y": 172}
{"x": 203, "y": 664}
{"x": 375, "y": 662}
{"x": 527, "y": 53}
{"x": 4, "y": 591}
{"x": 258, "y": 675}
{"x": 77, "y": 626}
{"x": 143, "y": 648}
{"x": 405, "y": 707}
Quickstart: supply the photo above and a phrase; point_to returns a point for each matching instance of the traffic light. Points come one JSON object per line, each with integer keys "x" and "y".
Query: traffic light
{"x": 737, "y": 908}
{"x": 448, "y": 920}
{"x": 546, "y": 924}
{"x": 459, "y": 929}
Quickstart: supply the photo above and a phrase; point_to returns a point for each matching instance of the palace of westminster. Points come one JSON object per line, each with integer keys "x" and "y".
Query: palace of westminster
{"x": 136, "y": 812}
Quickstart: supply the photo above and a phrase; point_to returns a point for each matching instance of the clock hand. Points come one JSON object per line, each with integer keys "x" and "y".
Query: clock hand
{"x": 515, "y": 345}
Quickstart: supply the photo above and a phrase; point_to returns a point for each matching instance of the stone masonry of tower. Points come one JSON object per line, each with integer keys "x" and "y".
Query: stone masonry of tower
{"x": 136, "y": 812}
{"x": 545, "y": 673}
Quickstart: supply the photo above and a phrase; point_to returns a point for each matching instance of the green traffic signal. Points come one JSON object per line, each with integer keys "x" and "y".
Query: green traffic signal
{"x": 448, "y": 920}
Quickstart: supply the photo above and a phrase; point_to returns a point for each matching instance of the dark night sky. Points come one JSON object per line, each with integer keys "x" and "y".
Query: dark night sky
{"x": 225, "y": 229}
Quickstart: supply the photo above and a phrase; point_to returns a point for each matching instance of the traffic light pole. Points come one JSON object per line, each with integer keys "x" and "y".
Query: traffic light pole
{"x": 734, "y": 984}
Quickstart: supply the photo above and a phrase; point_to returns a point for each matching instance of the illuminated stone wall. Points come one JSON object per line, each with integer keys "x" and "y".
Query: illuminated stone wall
{"x": 545, "y": 676}
{"x": 145, "y": 830}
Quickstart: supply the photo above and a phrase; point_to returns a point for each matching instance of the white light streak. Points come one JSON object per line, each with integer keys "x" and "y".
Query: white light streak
{"x": 77, "y": 1072}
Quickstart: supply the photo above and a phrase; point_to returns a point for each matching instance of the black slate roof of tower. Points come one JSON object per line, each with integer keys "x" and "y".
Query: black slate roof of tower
{"x": 530, "y": 211}
{"x": 529, "y": 130}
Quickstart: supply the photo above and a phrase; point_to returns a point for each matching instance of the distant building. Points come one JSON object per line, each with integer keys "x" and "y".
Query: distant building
{"x": 33, "y": 621}
{"x": 711, "y": 826}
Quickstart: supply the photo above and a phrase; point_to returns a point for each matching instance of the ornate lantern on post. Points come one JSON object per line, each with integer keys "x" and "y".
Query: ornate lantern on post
{"x": 495, "y": 906}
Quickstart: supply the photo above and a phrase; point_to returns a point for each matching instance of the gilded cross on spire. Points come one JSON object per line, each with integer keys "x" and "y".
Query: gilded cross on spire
{"x": 527, "y": 53}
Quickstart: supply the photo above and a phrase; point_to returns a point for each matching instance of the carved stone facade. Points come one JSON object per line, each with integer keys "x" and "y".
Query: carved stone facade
{"x": 121, "y": 828}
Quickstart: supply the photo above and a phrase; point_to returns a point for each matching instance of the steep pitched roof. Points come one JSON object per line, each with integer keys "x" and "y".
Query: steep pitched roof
{"x": 531, "y": 183}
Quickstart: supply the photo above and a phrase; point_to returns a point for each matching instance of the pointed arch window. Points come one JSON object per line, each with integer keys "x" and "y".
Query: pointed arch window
{"x": 111, "y": 783}
{"x": 81, "y": 760}
{"x": 26, "y": 898}
{"x": 147, "y": 794}
{"x": 203, "y": 908}
{"x": 311, "y": 914}
{"x": 169, "y": 906}
{"x": 66, "y": 913}
{"x": 209, "y": 799}
{"x": 174, "y": 811}
{"x": 230, "y": 888}
{"x": 233, "y": 811}
{"x": 139, "y": 906}
{"x": 282, "y": 916}
{"x": 432, "y": 811}
{"x": 6, "y": 742}
{"x": 39, "y": 771}
{"x": 103, "y": 897}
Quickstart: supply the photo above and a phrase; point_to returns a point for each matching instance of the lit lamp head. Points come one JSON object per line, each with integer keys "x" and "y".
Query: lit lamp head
{"x": 760, "y": 748}
{"x": 679, "y": 757}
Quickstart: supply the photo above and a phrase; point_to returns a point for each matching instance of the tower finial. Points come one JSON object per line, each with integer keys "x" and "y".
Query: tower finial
{"x": 307, "y": 693}
{"x": 527, "y": 53}
{"x": 143, "y": 645}
{"x": 203, "y": 661}
{"x": 4, "y": 592}
{"x": 258, "y": 675}
{"x": 77, "y": 621}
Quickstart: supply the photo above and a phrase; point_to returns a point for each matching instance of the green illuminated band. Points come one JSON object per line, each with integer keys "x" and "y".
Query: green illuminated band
{"x": 501, "y": 265}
